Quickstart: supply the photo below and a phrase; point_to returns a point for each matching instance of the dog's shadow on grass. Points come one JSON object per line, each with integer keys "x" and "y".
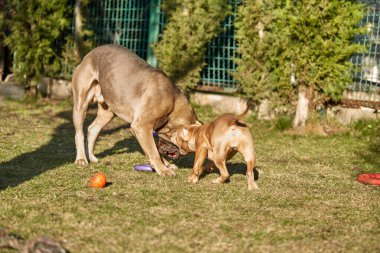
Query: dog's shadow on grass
{"x": 60, "y": 150}
{"x": 129, "y": 144}
{"x": 233, "y": 168}
{"x": 241, "y": 168}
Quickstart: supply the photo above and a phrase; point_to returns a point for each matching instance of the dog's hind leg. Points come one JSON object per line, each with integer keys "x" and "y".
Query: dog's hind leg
{"x": 210, "y": 165}
{"x": 224, "y": 175}
{"x": 250, "y": 178}
{"x": 103, "y": 117}
{"x": 83, "y": 79}
{"x": 249, "y": 157}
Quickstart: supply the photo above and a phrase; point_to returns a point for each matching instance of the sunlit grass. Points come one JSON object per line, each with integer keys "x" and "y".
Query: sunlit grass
{"x": 308, "y": 200}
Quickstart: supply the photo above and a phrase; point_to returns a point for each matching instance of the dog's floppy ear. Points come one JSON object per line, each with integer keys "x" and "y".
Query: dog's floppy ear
{"x": 185, "y": 134}
{"x": 198, "y": 123}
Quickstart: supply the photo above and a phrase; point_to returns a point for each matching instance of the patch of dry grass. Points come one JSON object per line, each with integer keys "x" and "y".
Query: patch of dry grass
{"x": 308, "y": 200}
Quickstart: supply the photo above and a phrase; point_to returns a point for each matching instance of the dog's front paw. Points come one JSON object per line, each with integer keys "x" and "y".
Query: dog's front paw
{"x": 165, "y": 173}
{"x": 173, "y": 166}
{"x": 93, "y": 159}
{"x": 219, "y": 180}
{"x": 252, "y": 186}
{"x": 193, "y": 179}
{"x": 81, "y": 162}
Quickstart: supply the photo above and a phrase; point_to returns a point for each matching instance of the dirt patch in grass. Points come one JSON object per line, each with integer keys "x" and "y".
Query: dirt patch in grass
{"x": 308, "y": 200}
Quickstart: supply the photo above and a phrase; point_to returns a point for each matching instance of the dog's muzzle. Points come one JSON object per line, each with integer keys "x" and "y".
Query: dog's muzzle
{"x": 168, "y": 149}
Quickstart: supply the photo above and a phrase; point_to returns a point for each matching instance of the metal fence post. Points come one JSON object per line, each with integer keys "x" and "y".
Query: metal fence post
{"x": 154, "y": 30}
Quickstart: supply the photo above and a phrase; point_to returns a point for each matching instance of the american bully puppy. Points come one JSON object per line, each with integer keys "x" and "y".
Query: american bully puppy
{"x": 125, "y": 85}
{"x": 218, "y": 141}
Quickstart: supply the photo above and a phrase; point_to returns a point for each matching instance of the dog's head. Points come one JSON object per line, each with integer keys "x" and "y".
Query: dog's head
{"x": 168, "y": 145}
{"x": 168, "y": 149}
{"x": 181, "y": 137}
{"x": 182, "y": 115}
{"x": 184, "y": 138}
{"x": 175, "y": 143}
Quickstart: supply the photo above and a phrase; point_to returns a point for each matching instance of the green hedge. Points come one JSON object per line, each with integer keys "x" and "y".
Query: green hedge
{"x": 311, "y": 39}
{"x": 37, "y": 37}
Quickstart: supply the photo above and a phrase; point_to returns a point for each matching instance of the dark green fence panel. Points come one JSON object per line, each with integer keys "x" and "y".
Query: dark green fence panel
{"x": 366, "y": 86}
{"x": 123, "y": 22}
{"x": 220, "y": 56}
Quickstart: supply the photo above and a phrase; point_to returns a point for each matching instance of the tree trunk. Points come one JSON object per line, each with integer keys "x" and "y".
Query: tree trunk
{"x": 78, "y": 30}
{"x": 2, "y": 58}
{"x": 303, "y": 104}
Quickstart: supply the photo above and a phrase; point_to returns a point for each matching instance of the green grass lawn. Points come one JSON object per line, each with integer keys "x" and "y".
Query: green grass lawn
{"x": 308, "y": 200}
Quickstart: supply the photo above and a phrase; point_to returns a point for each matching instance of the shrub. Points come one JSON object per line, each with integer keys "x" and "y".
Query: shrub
{"x": 311, "y": 39}
{"x": 283, "y": 122}
{"x": 36, "y": 36}
{"x": 190, "y": 25}
{"x": 260, "y": 70}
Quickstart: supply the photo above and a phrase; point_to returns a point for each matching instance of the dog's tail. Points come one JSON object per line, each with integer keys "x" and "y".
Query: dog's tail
{"x": 237, "y": 119}
{"x": 242, "y": 115}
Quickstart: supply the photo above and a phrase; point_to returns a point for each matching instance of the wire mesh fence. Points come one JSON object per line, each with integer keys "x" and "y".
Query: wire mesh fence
{"x": 365, "y": 90}
{"x": 220, "y": 56}
{"x": 120, "y": 22}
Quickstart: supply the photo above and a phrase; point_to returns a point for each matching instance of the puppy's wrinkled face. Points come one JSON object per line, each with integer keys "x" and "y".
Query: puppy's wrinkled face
{"x": 183, "y": 138}
{"x": 173, "y": 143}
{"x": 180, "y": 137}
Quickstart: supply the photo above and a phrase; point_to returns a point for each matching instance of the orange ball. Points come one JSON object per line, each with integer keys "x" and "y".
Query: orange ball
{"x": 99, "y": 180}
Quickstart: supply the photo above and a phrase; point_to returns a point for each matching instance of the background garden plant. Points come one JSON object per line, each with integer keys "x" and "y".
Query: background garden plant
{"x": 293, "y": 47}
{"x": 285, "y": 48}
{"x": 190, "y": 26}
{"x": 36, "y": 37}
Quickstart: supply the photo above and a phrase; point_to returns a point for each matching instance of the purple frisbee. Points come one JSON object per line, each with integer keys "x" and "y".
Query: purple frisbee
{"x": 144, "y": 168}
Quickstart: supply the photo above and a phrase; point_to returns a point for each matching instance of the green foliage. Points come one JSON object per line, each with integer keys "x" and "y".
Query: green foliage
{"x": 84, "y": 36}
{"x": 69, "y": 59}
{"x": 37, "y": 33}
{"x": 283, "y": 122}
{"x": 1, "y": 22}
{"x": 312, "y": 39}
{"x": 366, "y": 128}
{"x": 191, "y": 24}
{"x": 259, "y": 68}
